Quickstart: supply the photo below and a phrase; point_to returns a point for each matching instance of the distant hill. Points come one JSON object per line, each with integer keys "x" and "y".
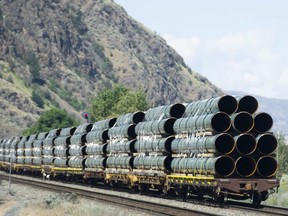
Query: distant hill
{"x": 277, "y": 108}
{"x": 60, "y": 53}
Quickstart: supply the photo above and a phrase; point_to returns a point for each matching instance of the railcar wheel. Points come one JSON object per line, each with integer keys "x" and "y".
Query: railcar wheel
{"x": 182, "y": 192}
{"x": 143, "y": 188}
{"x": 256, "y": 199}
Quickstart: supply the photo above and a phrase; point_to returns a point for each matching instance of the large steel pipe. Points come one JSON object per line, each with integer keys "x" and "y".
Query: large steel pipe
{"x": 82, "y": 129}
{"x": 245, "y": 143}
{"x": 48, "y": 160}
{"x": 130, "y": 118}
{"x": 48, "y": 142}
{"x": 154, "y": 145}
{"x": 38, "y": 143}
{"x": 163, "y": 112}
{"x": 76, "y": 162}
{"x": 76, "y": 150}
{"x": 221, "y": 144}
{"x": 227, "y": 104}
{"x": 125, "y": 162}
{"x": 267, "y": 166}
{"x": 184, "y": 165}
{"x": 263, "y": 122}
{"x": 95, "y": 162}
{"x": 242, "y": 122}
{"x": 216, "y": 122}
{"x": 104, "y": 124}
{"x": 245, "y": 166}
{"x": 95, "y": 149}
{"x": 121, "y": 147}
{"x": 42, "y": 135}
{"x": 37, "y": 152}
{"x": 48, "y": 152}
{"x": 125, "y": 131}
{"x": 54, "y": 133}
{"x": 28, "y": 160}
{"x": 61, "y": 152}
{"x": 67, "y": 131}
{"x": 266, "y": 143}
{"x": 162, "y": 127}
{"x": 62, "y": 141}
{"x": 97, "y": 136}
{"x": 61, "y": 162}
{"x": 247, "y": 103}
{"x": 20, "y": 160}
{"x": 78, "y": 139}
{"x": 152, "y": 162}
{"x": 37, "y": 161}
{"x": 222, "y": 166}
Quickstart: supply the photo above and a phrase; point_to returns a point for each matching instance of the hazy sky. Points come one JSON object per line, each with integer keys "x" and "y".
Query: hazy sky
{"x": 237, "y": 45}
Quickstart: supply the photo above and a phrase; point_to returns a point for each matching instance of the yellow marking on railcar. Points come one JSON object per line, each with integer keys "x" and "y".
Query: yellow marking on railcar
{"x": 194, "y": 180}
{"x": 36, "y": 167}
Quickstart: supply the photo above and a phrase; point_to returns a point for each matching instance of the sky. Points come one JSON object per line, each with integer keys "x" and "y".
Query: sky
{"x": 237, "y": 45}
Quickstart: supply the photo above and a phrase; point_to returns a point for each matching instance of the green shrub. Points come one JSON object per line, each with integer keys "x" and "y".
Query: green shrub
{"x": 37, "y": 99}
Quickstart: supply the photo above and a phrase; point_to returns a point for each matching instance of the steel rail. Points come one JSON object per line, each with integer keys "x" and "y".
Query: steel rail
{"x": 149, "y": 207}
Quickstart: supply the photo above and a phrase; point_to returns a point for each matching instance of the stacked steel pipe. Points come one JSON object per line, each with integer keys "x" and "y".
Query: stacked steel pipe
{"x": 224, "y": 137}
{"x": 76, "y": 152}
{"x": 48, "y": 147}
{"x": 121, "y": 138}
{"x": 37, "y": 149}
{"x": 62, "y": 145}
{"x": 20, "y": 150}
{"x": 96, "y": 146}
{"x": 154, "y": 138}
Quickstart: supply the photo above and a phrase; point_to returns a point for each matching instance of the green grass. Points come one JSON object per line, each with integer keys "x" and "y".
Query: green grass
{"x": 280, "y": 198}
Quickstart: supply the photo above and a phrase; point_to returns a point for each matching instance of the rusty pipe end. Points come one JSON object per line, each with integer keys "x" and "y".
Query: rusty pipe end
{"x": 224, "y": 166}
{"x": 242, "y": 122}
{"x": 267, "y": 166}
{"x": 247, "y": 103}
{"x": 245, "y": 143}
{"x": 221, "y": 122}
{"x": 266, "y": 144}
{"x": 224, "y": 143}
{"x": 227, "y": 104}
{"x": 263, "y": 122}
{"x": 245, "y": 166}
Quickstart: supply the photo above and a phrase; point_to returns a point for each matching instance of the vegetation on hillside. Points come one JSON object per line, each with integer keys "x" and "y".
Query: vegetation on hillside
{"x": 117, "y": 101}
{"x": 282, "y": 155}
{"x": 51, "y": 119}
{"x": 108, "y": 103}
{"x": 281, "y": 198}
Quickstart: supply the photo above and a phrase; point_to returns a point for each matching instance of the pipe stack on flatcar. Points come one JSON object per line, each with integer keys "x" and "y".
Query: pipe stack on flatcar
{"x": 220, "y": 147}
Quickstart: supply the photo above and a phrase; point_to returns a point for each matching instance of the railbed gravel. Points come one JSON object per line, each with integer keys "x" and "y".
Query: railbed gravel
{"x": 29, "y": 201}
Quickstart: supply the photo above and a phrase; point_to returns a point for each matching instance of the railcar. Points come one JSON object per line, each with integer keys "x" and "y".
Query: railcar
{"x": 218, "y": 147}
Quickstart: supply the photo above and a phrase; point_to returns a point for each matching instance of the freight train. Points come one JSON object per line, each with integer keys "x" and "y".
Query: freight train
{"x": 218, "y": 147}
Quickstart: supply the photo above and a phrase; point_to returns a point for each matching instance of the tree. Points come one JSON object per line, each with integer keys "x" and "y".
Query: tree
{"x": 282, "y": 154}
{"x": 117, "y": 101}
{"x": 33, "y": 63}
{"x": 51, "y": 119}
{"x": 37, "y": 99}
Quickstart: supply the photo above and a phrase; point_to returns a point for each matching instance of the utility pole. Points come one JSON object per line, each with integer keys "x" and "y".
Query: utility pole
{"x": 10, "y": 173}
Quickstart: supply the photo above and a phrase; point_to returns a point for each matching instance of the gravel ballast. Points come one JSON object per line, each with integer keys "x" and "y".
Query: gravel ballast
{"x": 29, "y": 201}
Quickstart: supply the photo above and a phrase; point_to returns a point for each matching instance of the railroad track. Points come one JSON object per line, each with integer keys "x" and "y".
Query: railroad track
{"x": 153, "y": 208}
{"x": 270, "y": 210}
{"x": 149, "y": 207}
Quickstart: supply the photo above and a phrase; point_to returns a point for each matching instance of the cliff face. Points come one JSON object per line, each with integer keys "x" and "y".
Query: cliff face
{"x": 67, "y": 51}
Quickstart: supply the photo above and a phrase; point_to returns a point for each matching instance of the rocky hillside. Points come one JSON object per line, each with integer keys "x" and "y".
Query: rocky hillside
{"x": 60, "y": 53}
